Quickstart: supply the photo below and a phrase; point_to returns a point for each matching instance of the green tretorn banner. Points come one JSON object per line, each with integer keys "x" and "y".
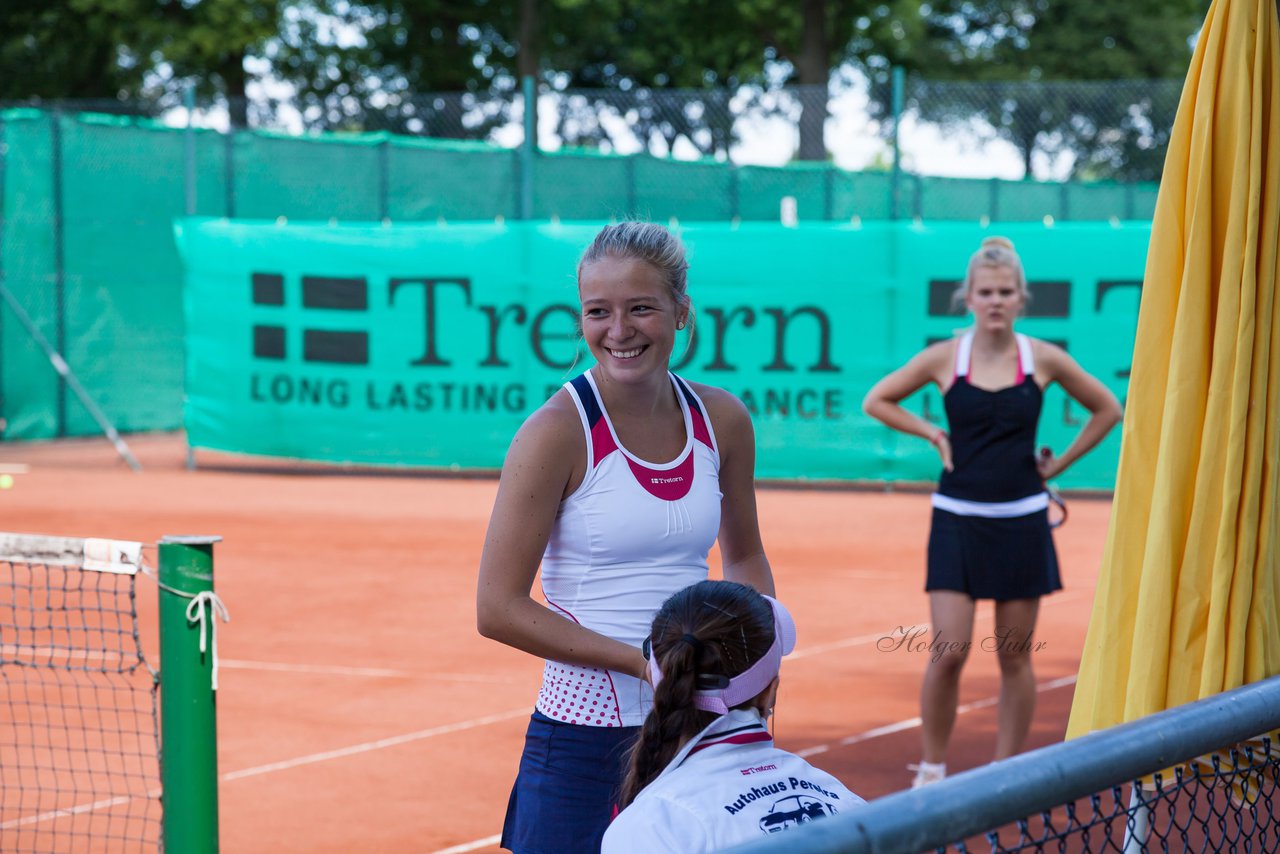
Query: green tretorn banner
{"x": 427, "y": 345}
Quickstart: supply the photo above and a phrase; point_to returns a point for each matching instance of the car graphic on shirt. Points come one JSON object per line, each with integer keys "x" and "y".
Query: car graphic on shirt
{"x": 793, "y": 810}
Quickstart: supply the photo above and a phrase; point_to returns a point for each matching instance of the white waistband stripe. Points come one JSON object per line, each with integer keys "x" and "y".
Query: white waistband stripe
{"x": 992, "y": 509}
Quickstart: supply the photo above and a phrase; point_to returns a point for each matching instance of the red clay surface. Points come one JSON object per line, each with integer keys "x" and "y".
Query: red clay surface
{"x": 358, "y": 709}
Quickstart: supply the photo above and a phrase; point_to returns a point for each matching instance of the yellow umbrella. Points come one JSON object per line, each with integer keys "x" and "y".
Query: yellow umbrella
{"x": 1188, "y": 599}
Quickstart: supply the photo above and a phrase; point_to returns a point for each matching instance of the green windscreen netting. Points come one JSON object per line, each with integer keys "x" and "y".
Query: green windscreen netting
{"x": 86, "y": 240}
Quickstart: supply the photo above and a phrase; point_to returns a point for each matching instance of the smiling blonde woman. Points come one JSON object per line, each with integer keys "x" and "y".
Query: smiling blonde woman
{"x": 617, "y": 486}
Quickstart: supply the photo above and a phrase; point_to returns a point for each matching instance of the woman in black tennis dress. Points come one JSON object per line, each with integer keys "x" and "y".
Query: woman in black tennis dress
{"x": 990, "y": 535}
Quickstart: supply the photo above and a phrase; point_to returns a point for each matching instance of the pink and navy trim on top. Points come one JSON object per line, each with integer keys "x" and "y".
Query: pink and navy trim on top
{"x": 668, "y": 483}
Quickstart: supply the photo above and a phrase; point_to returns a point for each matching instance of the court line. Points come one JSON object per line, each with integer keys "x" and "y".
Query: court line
{"x": 326, "y": 669}
{"x": 912, "y": 723}
{"x": 55, "y": 653}
{"x": 373, "y": 672}
{"x": 70, "y": 811}
{"x": 310, "y": 759}
{"x": 91, "y": 655}
{"x": 867, "y": 575}
{"x": 370, "y": 746}
{"x": 471, "y": 846}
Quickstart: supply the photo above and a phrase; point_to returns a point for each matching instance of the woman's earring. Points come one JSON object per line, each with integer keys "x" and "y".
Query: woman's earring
{"x": 679, "y": 324}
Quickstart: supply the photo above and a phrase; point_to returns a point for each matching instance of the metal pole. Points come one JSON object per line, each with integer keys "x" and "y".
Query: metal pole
{"x": 189, "y": 153}
{"x": 899, "y": 84}
{"x": 631, "y": 186}
{"x": 4, "y": 157}
{"x": 229, "y": 152}
{"x": 828, "y": 192}
{"x": 384, "y": 178}
{"x": 68, "y": 377}
{"x": 59, "y": 267}
{"x": 983, "y": 798}
{"x": 188, "y": 720}
{"x": 189, "y": 198}
{"x": 735, "y": 192}
{"x": 528, "y": 150}
{"x": 1138, "y": 826}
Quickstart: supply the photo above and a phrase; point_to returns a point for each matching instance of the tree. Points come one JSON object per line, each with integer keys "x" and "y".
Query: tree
{"x": 595, "y": 49}
{"x": 63, "y": 49}
{"x": 140, "y": 53}
{"x": 759, "y": 44}
{"x": 1023, "y": 67}
{"x": 427, "y": 67}
{"x": 210, "y": 42}
{"x": 449, "y": 68}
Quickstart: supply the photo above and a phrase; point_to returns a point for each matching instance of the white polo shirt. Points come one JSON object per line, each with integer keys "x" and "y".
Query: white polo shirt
{"x": 727, "y": 786}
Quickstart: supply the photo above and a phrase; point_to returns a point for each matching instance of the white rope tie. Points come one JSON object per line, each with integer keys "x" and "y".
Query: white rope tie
{"x": 196, "y": 614}
{"x": 208, "y": 630}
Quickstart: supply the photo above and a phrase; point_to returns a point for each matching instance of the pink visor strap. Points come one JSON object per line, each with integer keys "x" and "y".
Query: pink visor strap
{"x": 655, "y": 672}
{"x": 755, "y": 678}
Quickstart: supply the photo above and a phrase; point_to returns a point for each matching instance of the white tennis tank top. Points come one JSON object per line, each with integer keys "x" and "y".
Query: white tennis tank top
{"x": 629, "y": 536}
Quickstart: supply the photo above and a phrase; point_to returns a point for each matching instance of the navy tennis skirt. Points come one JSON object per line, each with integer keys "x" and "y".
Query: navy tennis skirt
{"x": 997, "y": 559}
{"x": 567, "y": 789}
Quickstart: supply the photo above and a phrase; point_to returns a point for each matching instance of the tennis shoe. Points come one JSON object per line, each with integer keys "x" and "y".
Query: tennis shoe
{"x": 927, "y": 772}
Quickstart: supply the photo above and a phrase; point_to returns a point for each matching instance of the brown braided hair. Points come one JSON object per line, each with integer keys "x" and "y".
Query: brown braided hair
{"x": 708, "y": 630}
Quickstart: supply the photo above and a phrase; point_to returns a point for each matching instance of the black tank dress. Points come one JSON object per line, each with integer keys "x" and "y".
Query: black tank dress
{"x": 990, "y": 534}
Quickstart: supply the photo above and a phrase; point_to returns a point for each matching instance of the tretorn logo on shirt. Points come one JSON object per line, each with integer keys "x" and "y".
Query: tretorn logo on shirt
{"x": 747, "y": 772}
{"x": 661, "y": 480}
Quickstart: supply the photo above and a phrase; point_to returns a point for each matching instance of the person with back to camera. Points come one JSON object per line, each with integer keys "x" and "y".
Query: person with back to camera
{"x": 704, "y": 773}
{"x": 989, "y": 537}
{"x": 619, "y": 485}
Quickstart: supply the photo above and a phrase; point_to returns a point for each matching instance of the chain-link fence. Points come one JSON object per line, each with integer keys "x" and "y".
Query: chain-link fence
{"x": 1045, "y": 130}
{"x": 1083, "y": 130}
{"x": 903, "y": 148}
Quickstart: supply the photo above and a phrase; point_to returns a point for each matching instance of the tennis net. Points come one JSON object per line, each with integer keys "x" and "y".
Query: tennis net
{"x": 80, "y": 763}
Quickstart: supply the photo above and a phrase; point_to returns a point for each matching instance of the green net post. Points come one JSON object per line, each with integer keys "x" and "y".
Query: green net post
{"x": 188, "y": 721}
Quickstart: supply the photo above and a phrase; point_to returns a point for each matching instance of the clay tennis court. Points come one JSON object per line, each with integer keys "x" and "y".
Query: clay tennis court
{"x": 358, "y": 709}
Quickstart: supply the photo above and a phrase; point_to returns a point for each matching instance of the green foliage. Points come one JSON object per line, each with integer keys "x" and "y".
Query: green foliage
{"x": 139, "y": 51}
{"x": 69, "y": 49}
{"x": 375, "y": 64}
{"x": 1043, "y": 44}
